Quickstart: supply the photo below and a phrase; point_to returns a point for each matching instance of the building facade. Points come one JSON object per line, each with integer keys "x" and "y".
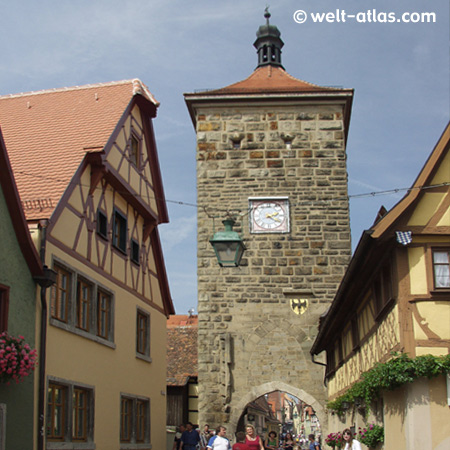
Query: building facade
{"x": 19, "y": 267}
{"x": 88, "y": 176}
{"x": 182, "y": 371}
{"x": 395, "y": 297}
{"x": 271, "y": 155}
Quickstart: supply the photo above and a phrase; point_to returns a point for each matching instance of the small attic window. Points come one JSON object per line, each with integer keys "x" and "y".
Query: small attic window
{"x": 135, "y": 150}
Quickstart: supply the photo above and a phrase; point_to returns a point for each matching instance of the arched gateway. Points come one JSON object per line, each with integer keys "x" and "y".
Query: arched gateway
{"x": 266, "y": 388}
{"x": 271, "y": 154}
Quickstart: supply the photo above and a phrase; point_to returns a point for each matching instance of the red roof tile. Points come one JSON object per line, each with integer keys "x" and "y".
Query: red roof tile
{"x": 182, "y": 352}
{"x": 47, "y": 134}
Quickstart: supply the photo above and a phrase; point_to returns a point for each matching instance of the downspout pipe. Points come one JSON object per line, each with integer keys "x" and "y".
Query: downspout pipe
{"x": 46, "y": 281}
{"x": 320, "y": 364}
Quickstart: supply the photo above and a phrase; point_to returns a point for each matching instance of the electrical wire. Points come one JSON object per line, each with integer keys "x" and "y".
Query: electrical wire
{"x": 238, "y": 212}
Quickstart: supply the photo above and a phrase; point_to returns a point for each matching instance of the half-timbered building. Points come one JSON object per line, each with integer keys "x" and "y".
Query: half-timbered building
{"x": 395, "y": 297}
{"x": 89, "y": 179}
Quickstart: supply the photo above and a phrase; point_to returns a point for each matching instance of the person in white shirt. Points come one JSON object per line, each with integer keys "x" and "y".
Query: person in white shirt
{"x": 219, "y": 440}
{"x": 350, "y": 443}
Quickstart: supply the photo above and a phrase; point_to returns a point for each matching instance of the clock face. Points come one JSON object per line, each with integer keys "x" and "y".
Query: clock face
{"x": 269, "y": 216}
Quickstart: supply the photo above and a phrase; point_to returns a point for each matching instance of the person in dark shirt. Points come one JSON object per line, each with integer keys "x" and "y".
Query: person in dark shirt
{"x": 177, "y": 440}
{"x": 190, "y": 438}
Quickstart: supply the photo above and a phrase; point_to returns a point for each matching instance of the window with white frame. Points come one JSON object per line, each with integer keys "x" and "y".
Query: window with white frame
{"x": 81, "y": 305}
{"x": 441, "y": 268}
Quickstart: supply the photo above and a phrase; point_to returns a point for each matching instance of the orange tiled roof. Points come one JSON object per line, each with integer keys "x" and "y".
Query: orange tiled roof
{"x": 182, "y": 352}
{"x": 48, "y": 133}
{"x": 270, "y": 79}
{"x": 182, "y": 320}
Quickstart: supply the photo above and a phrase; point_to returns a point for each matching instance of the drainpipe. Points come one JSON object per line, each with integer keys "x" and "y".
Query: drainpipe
{"x": 45, "y": 281}
{"x": 320, "y": 364}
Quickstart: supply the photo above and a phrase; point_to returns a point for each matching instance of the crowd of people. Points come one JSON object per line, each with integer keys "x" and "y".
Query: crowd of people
{"x": 190, "y": 438}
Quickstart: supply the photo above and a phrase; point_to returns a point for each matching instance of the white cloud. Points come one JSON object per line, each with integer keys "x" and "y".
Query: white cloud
{"x": 178, "y": 231}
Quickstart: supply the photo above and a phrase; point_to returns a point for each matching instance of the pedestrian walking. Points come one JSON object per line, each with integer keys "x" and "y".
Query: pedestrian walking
{"x": 313, "y": 444}
{"x": 272, "y": 441}
{"x": 252, "y": 439}
{"x": 190, "y": 438}
{"x": 219, "y": 441}
{"x": 177, "y": 439}
{"x": 240, "y": 444}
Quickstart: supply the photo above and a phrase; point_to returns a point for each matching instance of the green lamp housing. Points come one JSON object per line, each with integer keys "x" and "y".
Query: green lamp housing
{"x": 228, "y": 245}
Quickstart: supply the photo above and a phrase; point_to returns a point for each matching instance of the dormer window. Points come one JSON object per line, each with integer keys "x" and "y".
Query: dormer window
{"x": 135, "y": 150}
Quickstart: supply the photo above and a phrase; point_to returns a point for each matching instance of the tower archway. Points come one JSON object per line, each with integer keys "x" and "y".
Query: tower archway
{"x": 266, "y": 388}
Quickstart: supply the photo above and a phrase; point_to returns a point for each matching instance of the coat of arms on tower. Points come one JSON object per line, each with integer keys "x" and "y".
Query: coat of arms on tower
{"x": 299, "y": 305}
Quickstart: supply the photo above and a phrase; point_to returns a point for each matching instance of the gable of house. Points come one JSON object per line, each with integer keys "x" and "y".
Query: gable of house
{"x": 390, "y": 298}
{"x": 89, "y": 156}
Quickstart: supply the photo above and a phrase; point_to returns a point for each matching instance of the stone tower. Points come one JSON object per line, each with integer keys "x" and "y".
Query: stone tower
{"x": 270, "y": 153}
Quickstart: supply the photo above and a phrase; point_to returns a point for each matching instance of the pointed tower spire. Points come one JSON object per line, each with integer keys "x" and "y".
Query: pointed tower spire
{"x": 268, "y": 43}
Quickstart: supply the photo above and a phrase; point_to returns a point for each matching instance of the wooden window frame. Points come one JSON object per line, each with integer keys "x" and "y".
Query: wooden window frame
{"x": 83, "y": 305}
{"x": 143, "y": 334}
{"x": 52, "y": 405}
{"x": 134, "y": 418}
{"x": 74, "y": 323}
{"x": 355, "y": 333}
{"x": 56, "y": 308}
{"x": 77, "y": 424}
{"x": 102, "y": 224}
{"x": 383, "y": 290}
{"x": 126, "y": 414}
{"x": 135, "y": 149}
{"x": 70, "y": 417}
{"x": 104, "y": 314}
{"x": 340, "y": 351}
{"x": 120, "y": 231}
{"x": 4, "y": 307}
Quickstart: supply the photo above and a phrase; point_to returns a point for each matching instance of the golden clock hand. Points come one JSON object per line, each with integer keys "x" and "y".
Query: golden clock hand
{"x": 271, "y": 216}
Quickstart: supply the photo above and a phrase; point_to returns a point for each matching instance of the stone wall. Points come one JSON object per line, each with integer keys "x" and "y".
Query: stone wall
{"x": 249, "y": 335}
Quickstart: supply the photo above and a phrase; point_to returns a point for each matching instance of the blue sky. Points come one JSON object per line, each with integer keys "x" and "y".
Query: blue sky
{"x": 400, "y": 73}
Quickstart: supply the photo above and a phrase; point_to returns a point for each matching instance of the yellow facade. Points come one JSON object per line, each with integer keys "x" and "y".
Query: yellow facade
{"x": 402, "y": 295}
{"x": 110, "y": 368}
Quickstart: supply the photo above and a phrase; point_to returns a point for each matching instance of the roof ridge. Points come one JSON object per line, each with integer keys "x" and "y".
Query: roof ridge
{"x": 137, "y": 85}
{"x": 307, "y": 82}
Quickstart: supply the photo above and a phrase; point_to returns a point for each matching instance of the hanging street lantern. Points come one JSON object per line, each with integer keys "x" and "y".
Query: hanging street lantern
{"x": 228, "y": 245}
